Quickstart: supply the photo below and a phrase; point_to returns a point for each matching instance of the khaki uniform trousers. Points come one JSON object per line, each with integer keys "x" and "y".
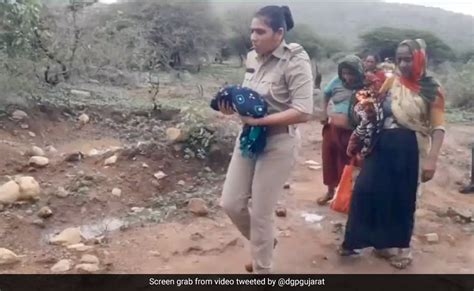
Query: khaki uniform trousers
{"x": 260, "y": 180}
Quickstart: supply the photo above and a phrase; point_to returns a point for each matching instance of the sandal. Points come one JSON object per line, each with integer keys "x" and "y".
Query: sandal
{"x": 385, "y": 254}
{"x": 347, "y": 253}
{"x": 401, "y": 262}
{"x": 325, "y": 199}
{"x": 249, "y": 266}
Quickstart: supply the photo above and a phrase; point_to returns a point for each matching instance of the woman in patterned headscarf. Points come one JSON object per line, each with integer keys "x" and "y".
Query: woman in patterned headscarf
{"x": 401, "y": 156}
{"x": 338, "y": 95}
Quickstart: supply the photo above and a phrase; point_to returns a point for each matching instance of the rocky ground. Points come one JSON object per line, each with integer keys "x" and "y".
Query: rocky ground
{"x": 96, "y": 190}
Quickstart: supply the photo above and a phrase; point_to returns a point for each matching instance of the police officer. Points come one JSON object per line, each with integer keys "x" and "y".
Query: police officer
{"x": 281, "y": 73}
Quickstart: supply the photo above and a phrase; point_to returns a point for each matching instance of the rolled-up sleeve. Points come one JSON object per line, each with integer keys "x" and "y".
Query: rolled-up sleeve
{"x": 437, "y": 109}
{"x": 300, "y": 85}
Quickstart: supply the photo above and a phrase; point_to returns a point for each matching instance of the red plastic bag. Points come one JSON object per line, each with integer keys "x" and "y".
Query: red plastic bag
{"x": 342, "y": 199}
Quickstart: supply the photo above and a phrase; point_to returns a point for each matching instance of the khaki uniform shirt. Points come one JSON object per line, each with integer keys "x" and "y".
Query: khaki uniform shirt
{"x": 284, "y": 78}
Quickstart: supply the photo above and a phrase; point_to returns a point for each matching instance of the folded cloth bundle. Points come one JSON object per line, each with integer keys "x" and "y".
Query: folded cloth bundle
{"x": 245, "y": 102}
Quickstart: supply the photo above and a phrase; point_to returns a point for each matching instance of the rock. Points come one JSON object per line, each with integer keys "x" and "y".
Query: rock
{"x": 137, "y": 209}
{"x": 315, "y": 168}
{"x": 61, "y": 192}
{"x": 61, "y": 266}
{"x": 90, "y": 259}
{"x": 83, "y": 190}
{"x": 93, "y": 153}
{"x": 87, "y": 268}
{"x": 8, "y": 257}
{"x": 110, "y": 161}
{"x": 155, "y": 253}
{"x": 74, "y": 157}
{"x": 312, "y": 217}
{"x": 24, "y": 126}
{"x": 286, "y": 186}
{"x": 51, "y": 150}
{"x": 80, "y": 247}
{"x": 80, "y": 93}
{"x": 35, "y": 151}
{"x": 198, "y": 207}
{"x": 145, "y": 166}
{"x": 39, "y": 223}
{"x": 84, "y": 119}
{"x": 32, "y": 134}
{"x": 116, "y": 192}
{"x": 175, "y": 135}
{"x": 114, "y": 149}
{"x": 280, "y": 212}
{"x": 181, "y": 183}
{"x": 9, "y": 192}
{"x": 422, "y": 213}
{"x": 197, "y": 236}
{"x": 19, "y": 115}
{"x": 45, "y": 212}
{"x": 312, "y": 163}
{"x": 160, "y": 175}
{"x": 69, "y": 236}
{"x": 29, "y": 188}
{"x": 464, "y": 215}
{"x": 38, "y": 162}
{"x": 432, "y": 237}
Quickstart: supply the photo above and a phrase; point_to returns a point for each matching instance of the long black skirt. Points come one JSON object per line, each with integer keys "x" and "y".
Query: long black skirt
{"x": 384, "y": 197}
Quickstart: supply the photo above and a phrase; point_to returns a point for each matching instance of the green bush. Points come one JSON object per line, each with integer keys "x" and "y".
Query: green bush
{"x": 385, "y": 40}
{"x": 316, "y": 46}
{"x": 458, "y": 82}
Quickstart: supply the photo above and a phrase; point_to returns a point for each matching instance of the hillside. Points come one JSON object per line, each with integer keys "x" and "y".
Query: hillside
{"x": 347, "y": 20}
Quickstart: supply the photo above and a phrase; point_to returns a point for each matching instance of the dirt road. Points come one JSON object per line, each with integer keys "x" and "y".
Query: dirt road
{"x": 183, "y": 243}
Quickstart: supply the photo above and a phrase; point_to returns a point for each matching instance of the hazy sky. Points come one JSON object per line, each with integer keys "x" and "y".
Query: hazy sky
{"x": 461, "y": 6}
{"x": 466, "y": 7}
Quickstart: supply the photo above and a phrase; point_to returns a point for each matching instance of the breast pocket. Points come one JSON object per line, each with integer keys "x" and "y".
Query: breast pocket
{"x": 278, "y": 88}
{"x": 247, "y": 79}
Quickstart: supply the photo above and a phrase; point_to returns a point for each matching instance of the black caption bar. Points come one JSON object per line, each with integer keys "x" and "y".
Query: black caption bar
{"x": 237, "y": 282}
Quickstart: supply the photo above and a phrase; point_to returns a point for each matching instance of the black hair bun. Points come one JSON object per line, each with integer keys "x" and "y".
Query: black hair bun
{"x": 288, "y": 17}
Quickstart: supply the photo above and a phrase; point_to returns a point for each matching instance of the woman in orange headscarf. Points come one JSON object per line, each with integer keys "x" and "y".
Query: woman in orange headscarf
{"x": 401, "y": 152}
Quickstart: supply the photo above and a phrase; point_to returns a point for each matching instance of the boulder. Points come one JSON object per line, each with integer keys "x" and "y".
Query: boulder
{"x": 8, "y": 257}
{"x": 61, "y": 266}
{"x": 69, "y": 236}
{"x": 39, "y": 162}
{"x": 9, "y": 192}
{"x": 19, "y": 115}
{"x": 29, "y": 188}
{"x": 198, "y": 207}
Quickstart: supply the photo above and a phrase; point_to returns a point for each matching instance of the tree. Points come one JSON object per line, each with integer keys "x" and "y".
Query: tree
{"x": 238, "y": 23}
{"x": 466, "y": 56}
{"x": 58, "y": 39}
{"x": 18, "y": 23}
{"x": 385, "y": 40}
{"x": 179, "y": 31}
{"x": 316, "y": 46}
